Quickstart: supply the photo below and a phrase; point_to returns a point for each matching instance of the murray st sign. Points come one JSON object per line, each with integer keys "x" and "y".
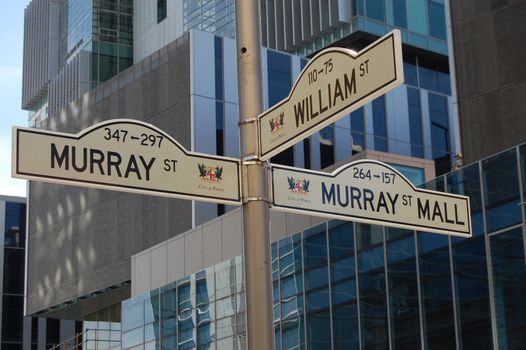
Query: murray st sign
{"x": 334, "y": 83}
{"x": 372, "y": 192}
{"x": 126, "y": 155}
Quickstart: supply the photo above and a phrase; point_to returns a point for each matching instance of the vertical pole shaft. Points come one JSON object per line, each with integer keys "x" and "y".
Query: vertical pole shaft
{"x": 260, "y": 334}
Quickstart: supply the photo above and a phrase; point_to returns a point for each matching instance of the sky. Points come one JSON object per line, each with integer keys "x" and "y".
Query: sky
{"x": 11, "y": 42}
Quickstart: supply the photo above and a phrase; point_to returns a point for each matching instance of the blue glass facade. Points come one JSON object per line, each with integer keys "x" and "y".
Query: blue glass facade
{"x": 355, "y": 286}
{"x": 393, "y": 123}
{"x": 13, "y": 251}
{"x": 415, "y": 119}
{"x": 104, "y": 28}
{"x": 422, "y": 23}
{"x": 427, "y": 97}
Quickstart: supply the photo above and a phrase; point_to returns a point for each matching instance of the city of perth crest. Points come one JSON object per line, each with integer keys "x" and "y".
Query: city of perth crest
{"x": 277, "y": 123}
{"x": 210, "y": 173}
{"x": 298, "y": 186}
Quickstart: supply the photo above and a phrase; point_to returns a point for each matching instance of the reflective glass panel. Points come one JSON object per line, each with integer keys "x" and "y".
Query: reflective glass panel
{"x": 292, "y": 334}
{"x": 379, "y": 124}
{"x": 12, "y": 316}
{"x": 471, "y": 282}
{"x": 415, "y": 123}
{"x": 509, "y": 283}
{"x": 399, "y": 13}
{"x": 14, "y": 270}
{"x": 466, "y": 181}
{"x": 373, "y": 310}
{"x": 403, "y": 290}
{"x": 375, "y": 9}
{"x": 345, "y": 327}
{"x": 358, "y": 128}
{"x": 319, "y": 330}
{"x": 437, "y": 298}
{"x": 417, "y": 16}
{"x": 279, "y": 84}
{"x": 437, "y": 20}
{"x": 341, "y": 239}
{"x": 501, "y": 190}
{"x": 438, "y": 113}
{"x": 315, "y": 247}
{"x": 15, "y": 225}
{"x": 410, "y": 70}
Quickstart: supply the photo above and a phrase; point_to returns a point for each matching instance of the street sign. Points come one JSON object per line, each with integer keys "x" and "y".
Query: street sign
{"x": 372, "y": 192}
{"x": 333, "y": 84}
{"x": 125, "y": 155}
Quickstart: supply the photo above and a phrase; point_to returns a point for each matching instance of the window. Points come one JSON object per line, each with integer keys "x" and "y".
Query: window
{"x": 379, "y": 124}
{"x": 501, "y": 190}
{"x": 415, "y": 123}
{"x": 161, "y": 10}
{"x": 14, "y": 271}
{"x": 306, "y": 152}
{"x": 466, "y": 181}
{"x": 358, "y": 129}
{"x": 472, "y": 294}
{"x": 375, "y": 9}
{"x": 399, "y": 13}
{"x": 15, "y": 225}
{"x": 53, "y": 331}
{"x": 279, "y": 84}
{"x": 414, "y": 174}
{"x": 434, "y": 76}
{"x": 435, "y": 276}
{"x": 327, "y": 146}
{"x": 12, "y": 314}
{"x": 437, "y": 20}
{"x": 439, "y": 133}
{"x": 218, "y": 62}
{"x": 357, "y": 7}
{"x": 403, "y": 289}
{"x": 507, "y": 257}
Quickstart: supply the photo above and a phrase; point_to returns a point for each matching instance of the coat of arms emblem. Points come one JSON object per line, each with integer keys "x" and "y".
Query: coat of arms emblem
{"x": 210, "y": 173}
{"x": 277, "y": 123}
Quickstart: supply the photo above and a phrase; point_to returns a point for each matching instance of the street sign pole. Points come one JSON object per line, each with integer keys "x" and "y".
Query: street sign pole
{"x": 260, "y": 334}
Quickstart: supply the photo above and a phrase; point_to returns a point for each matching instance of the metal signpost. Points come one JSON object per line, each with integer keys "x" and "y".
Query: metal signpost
{"x": 125, "y": 155}
{"x": 256, "y": 235}
{"x": 133, "y": 156}
{"x": 372, "y": 192}
{"x": 333, "y": 84}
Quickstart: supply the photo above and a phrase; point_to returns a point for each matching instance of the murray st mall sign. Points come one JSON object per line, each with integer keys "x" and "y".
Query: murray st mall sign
{"x": 133, "y": 156}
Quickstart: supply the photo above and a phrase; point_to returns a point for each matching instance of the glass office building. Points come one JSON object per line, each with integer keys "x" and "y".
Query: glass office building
{"x": 345, "y": 285}
{"x": 18, "y": 332}
{"x": 85, "y": 43}
{"x": 13, "y": 251}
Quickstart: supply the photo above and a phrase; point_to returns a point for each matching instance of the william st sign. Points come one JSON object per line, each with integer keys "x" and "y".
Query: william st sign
{"x": 125, "y": 155}
{"x": 333, "y": 84}
{"x": 372, "y": 192}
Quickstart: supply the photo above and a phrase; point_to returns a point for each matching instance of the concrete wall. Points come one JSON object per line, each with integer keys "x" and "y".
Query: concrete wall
{"x": 488, "y": 42}
{"x": 41, "y": 35}
{"x": 148, "y": 35}
{"x": 81, "y": 240}
{"x": 221, "y": 239}
{"x": 209, "y": 244}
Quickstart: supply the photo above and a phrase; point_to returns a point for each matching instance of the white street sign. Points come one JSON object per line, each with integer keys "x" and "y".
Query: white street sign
{"x": 333, "y": 84}
{"x": 125, "y": 155}
{"x": 372, "y": 192}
